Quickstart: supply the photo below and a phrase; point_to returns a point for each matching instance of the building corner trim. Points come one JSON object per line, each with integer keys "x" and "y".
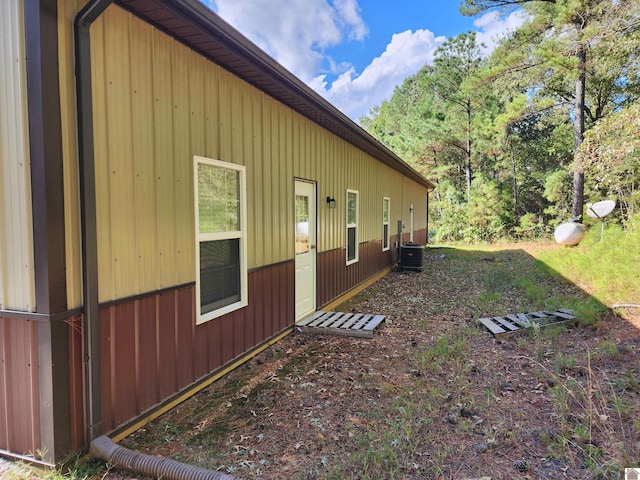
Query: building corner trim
{"x": 48, "y": 215}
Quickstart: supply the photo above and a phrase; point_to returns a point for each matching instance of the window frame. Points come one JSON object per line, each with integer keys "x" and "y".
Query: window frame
{"x": 352, "y": 225}
{"x": 240, "y": 234}
{"x": 386, "y": 239}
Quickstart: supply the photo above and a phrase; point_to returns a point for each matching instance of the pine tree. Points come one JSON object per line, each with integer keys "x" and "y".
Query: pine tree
{"x": 560, "y": 41}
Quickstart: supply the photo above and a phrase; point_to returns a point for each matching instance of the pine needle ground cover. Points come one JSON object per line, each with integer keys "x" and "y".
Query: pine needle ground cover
{"x": 433, "y": 395}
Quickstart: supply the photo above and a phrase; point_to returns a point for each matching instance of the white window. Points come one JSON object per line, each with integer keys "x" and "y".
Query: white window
{"x": 220, "y": 221}
{"x": 352, "y": 226}
{"x": 386, "y": 233}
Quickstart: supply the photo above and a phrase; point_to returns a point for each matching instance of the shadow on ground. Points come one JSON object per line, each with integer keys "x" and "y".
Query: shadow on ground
{"x": 432, "y": 394}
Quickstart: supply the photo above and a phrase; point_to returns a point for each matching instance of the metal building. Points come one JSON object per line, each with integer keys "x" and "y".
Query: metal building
{"x": 172, "y": 200}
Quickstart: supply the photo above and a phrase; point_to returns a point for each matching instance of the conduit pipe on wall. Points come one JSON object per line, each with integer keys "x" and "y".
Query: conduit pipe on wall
{"x": 149, "y": 465}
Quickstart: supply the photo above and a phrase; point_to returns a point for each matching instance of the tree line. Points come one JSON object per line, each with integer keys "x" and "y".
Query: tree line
{"x": 518, "y": 141}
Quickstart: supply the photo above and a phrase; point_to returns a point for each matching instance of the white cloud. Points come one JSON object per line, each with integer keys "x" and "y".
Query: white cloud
{"x": 355, "y": 93}
{"x": 349, "y": 11}
{"x": 295, "y": 32}
{"x": 298, "y": 33}
{"x": 492, "y": 27}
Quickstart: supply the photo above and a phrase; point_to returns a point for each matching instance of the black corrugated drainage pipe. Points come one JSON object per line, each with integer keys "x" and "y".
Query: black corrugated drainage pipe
{"x": 149, "y": 465}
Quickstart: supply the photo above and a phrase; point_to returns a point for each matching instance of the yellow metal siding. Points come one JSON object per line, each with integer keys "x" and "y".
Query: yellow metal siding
{"x": 67, "y": 10}
{"x": 252, "y": 111}
{"x": 183, "y": 165}
{"x": 17, "y": 287}
{"x": 144, "y": 170}
{"x": 150, "y": 117}
{"x": 156, "y": 105}
{"x": 101, "y": 156}
{"x": 337, "y": 166}
{"x": 163, "y": 159}
{"x": 120, "y": 167}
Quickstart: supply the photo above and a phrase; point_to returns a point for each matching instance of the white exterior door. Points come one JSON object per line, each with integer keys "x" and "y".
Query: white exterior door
{"x": 305, "y": 245}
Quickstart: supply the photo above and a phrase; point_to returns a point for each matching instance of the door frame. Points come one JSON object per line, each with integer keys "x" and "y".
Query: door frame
{"x": 312, "y": 249}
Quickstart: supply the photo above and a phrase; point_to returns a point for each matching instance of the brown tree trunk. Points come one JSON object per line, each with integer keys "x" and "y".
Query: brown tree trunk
{"x": 515, "y": 180}
{"x": 578, "y": 135}
{"x": 467, "y": 166}
{"x": 439, "y": 199}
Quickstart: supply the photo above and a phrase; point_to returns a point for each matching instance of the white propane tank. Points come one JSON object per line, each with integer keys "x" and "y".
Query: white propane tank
{"x": 570, "y": 233}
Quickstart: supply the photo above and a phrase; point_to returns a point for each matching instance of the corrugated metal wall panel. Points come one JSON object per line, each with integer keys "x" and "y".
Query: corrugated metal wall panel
{"x": 224, "y": 108}
{"x": 166, "y": 354}
{"x": 260, "y": 171}
{"x": 146, "y": 366}
{"x": 67, "y": 10}
{"x": 164, "y": 154}
{"x": 157, "y": 335}
{"x": 120, "y": 166}
{"x": 143, "y": 152}
{"x": 17, "y": 287}
{"x": 265, "y": 197}
{"x": 372, "y": 180}
{"x": 237, "y": 90}
{"x": 269, "y": 158}
{"x": 101, "y": 152}
{"x": 185, "y": 313}
{"x": 283, "y": 246}
{"x": 76, "y": 381}
{"x": 19, "y": 400}
{"x": 184, "y": 254}
{"x": 122, "y": 354}
{"x": 256, "y": 249}
{"x": 334, "y": 278}
{"x": 179, "y": 105}
{"x": 106, "y": 403}
{"x": 285, "y": 189}
{"x": 212, "y": 111}
{"x": 197, "y": 114}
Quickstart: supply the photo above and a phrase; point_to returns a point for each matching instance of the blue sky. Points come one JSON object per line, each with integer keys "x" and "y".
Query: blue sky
{"x": 354, "y": 52}
{"x": 384, "y": 18}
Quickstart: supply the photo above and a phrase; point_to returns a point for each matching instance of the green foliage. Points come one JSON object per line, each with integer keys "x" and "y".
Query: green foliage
{"x": 610, "y": 155}
{"x": 557, "y": 192}
{"x": 498, "y": 135}
{"x": 406, "y": 122}
{"x": 489, "y": 211}
{"x": 434, "y": 120}
{"x": 530, "y": 227}
{"x": 453, "y": 219}
{"x": 538, "y": 66}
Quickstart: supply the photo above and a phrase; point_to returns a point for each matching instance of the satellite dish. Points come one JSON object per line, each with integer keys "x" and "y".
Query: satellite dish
{"x": 600, "y": 209}
{"x": 570, "y": 233}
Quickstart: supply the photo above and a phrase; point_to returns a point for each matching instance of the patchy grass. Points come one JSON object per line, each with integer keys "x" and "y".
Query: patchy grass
{"x": 608, "y": 269}
{"x": 77, "y": 469}
{"x": 432, "y": 395}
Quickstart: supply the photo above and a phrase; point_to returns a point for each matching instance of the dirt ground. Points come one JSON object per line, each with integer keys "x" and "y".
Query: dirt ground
{"x": 432, "y": 395}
